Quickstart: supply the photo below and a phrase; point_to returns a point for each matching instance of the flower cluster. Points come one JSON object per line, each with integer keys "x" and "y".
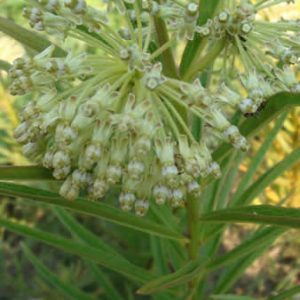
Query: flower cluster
{"x": 111, "y": 117}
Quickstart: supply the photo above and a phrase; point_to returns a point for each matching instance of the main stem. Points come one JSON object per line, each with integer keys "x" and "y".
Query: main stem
{"x": 193, "y": 208}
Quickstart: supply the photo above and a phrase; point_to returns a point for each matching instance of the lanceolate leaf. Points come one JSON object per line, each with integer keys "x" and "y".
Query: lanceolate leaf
{"x": 275, "y": 105}
{"x": 24, "y": 173}
{"x": 197, "y": 268}
{"x": 181, "y": 276}
{"x": 287, "y": 294}
{"x": 27, "y": 38}
{"x": 82, "y": 233}
{"x": 104, "y": 282}
{"x": 260, "y": 155}
{"x": 108, "y": 260}
{"x": 99, "y": 210}
{"x": 231, "y": 297}
{"x": 260, "y": 241}
{"x": 257, "y": 241}
{"x": 69, "y": 291}
{"x": 259, "y": 214}
{"x": 266, "y": 179}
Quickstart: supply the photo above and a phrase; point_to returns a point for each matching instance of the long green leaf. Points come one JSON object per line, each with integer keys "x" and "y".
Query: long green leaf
{"x": 225, "y": 183}
{"x": 108, "y": 260}
{"x": 181, "y": 276}
{"x": 266, "y": 179}
{"x": 258, "y": 214}
{"x": 287, "y": 294}
{"x": 91, "y": 239}
{"x": 260, "y": 155}
{"x": 160, "y": 259}
{"x": 80, "y": 232}
{"x": 27, "y": 38}
{"x": 199, "y": 268}
{"x": 67, "y": 290}
{"x": 99, "y": 210}
{"x": 275, "y": 105}
{"x": 251, "y": 245}
{"x": 235, "y": 271}
{"x": 104, "y": 282}
{"x": 231, "y": 297}
{"x": 24, "y": 173}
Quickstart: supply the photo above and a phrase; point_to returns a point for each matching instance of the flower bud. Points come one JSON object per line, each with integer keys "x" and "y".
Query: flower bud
{"x": 141, "y": 207}
{"x": 126, "y": 201}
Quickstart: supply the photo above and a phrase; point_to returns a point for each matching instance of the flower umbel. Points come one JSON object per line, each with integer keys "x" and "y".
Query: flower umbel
{"x": 111, "y": 117}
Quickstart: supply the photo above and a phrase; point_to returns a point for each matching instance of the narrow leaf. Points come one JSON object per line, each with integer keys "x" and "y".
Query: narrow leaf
{"x": 160, "y": 258}
{"x": 266, "y": 179}
{"x": 234, "y": 272}
{"x": 248, "y": 246}
{"x": 258, "y": 214}
{"x": 24, "y": 173}
{"x": 67, "y": 290}
{"x": 104, "y": 282}
{"x": 27, "y": 38}
{"x": 287, "y": 294}
{"x": 80, "y": 232}
{"x": 89, "y": 238}
{"x": 181, "y": 276}
{"x": 198, "y": 267}
{"x": 108, "y": 260}
{"x": 231, "y": 297}
{"x": 98, "y": 209}
{"x": 260, "y": 155}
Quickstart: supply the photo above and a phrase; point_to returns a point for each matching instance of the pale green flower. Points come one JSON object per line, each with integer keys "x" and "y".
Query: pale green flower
{"x": 113, "y": 118}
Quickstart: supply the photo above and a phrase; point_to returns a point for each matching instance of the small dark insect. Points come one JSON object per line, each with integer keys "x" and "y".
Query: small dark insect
{"x": 259, "y": 109}
{"x": 243, "y": 40}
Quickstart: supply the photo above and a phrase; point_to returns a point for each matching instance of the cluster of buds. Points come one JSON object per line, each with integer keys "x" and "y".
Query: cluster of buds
{"x": 265, "y": 50}
{"x": 239, "y": 21}
{"x": 110, "y": 117}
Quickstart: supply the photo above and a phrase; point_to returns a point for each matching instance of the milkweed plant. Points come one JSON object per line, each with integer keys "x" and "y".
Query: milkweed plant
{"x": 156, "y": 102}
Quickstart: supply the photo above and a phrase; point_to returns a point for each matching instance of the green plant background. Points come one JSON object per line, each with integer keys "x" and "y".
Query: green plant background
{"x": 54, "y": 249}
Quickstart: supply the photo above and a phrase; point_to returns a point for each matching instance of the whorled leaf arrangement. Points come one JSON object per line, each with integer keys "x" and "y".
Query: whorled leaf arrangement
{"x": 120, "y": 114}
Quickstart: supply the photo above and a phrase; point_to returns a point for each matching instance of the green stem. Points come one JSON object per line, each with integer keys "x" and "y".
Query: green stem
{"x": 28, "y": 38}
{"x": 193, "y": 222}
{"x": 200, "y": 63}
{"x": 169, "y": 66}
{"x": 167, "y": 56}
{"x": 194, "y": 48}
{"x": 193, "y": 213}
